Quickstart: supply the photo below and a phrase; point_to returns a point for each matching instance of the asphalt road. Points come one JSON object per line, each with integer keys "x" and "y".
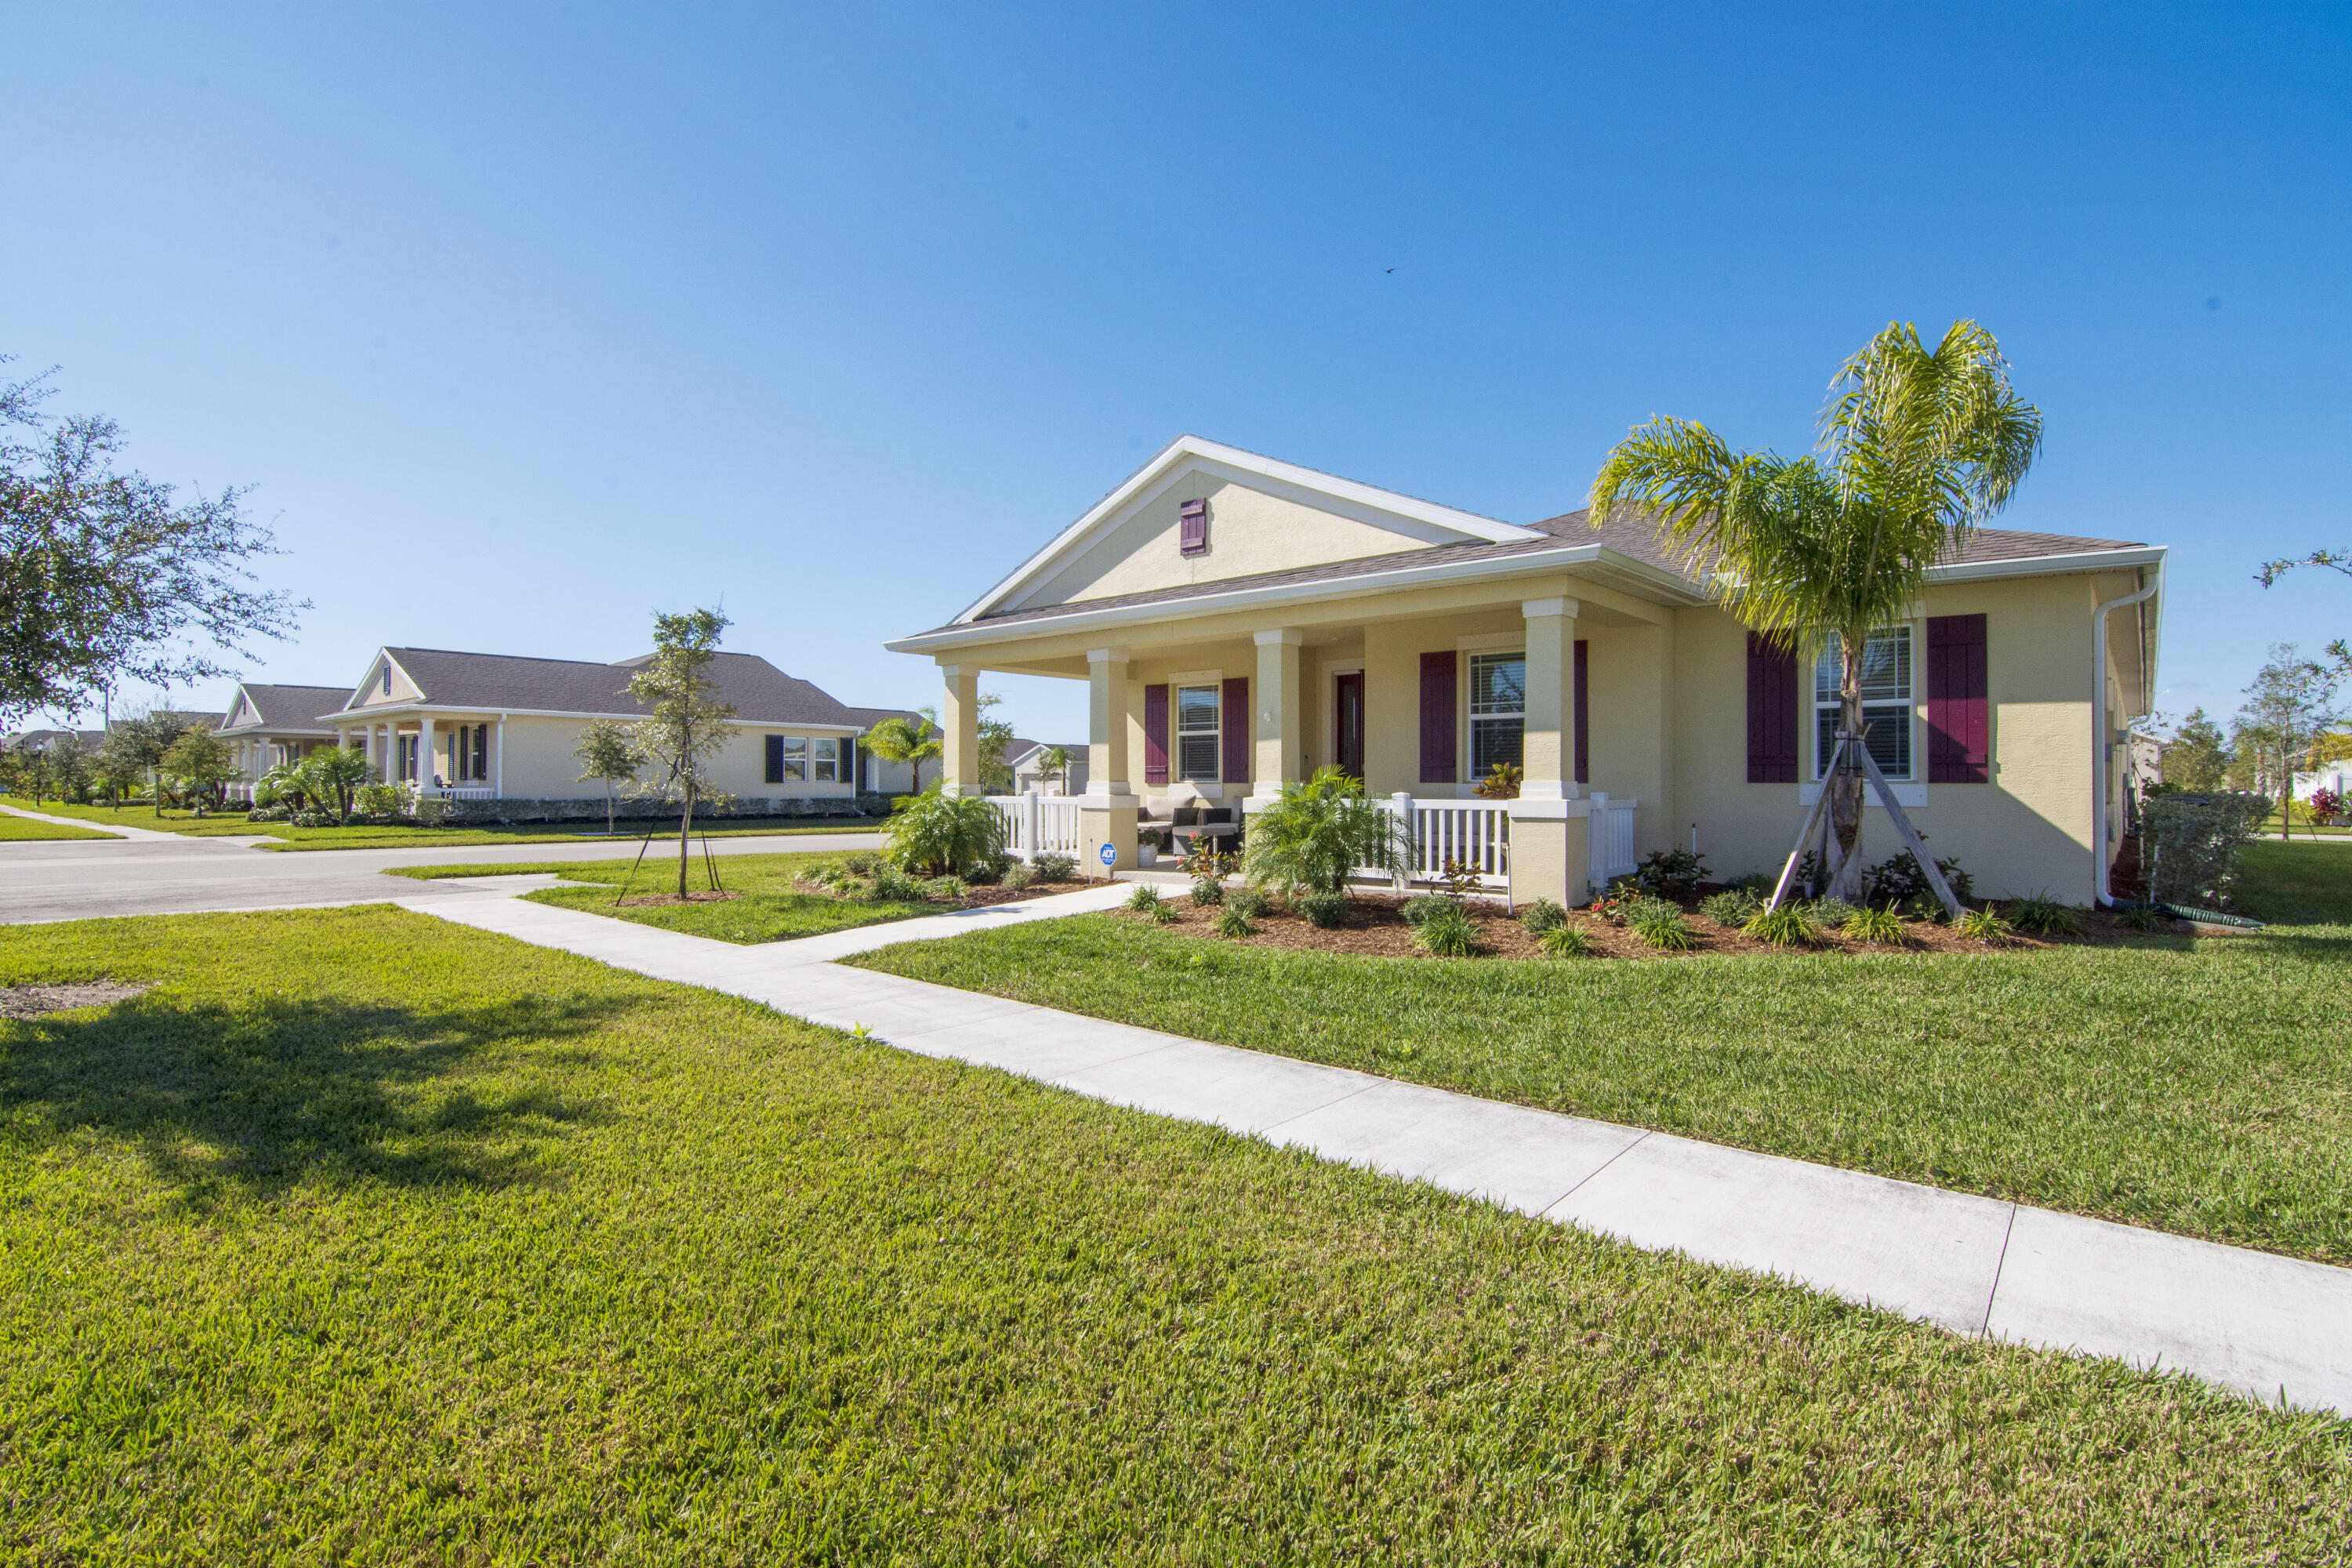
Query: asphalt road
{"x": 65, "y": 880}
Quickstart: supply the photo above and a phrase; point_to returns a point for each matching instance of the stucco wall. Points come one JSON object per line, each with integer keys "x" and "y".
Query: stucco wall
{"x": 533, "y": 759}
{"x": 1249, "y": 531}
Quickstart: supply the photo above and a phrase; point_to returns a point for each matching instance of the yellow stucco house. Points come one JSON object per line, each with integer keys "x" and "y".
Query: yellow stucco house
{"x": 1241, "y": 621}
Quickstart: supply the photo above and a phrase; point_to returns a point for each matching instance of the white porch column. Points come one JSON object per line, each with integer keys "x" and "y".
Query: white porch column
{"x": 1551, "y": 840}
{"x": 499, "y": 760}
{"x": 425, "y": 763}
{"x": 1107, "y": 812}
{"x": 1281, "y": 746}
{"x": 1548, "y": 757}
{"x": 960, "y": 719}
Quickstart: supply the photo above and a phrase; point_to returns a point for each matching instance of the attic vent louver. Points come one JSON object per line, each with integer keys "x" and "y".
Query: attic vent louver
{"x": 1193, "y": 528}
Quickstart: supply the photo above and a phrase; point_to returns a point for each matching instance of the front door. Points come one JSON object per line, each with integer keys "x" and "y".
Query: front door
{"x": 1350, "y": 709}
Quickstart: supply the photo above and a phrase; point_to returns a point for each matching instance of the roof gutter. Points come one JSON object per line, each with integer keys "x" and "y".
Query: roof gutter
{"x": 2102, "y": 748}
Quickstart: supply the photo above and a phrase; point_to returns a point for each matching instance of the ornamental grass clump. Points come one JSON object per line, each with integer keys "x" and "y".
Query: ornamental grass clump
{"x": 1983, "y": 925}
{"x": 1565, "y": 940}
{"x": 1789, "y": 925}
{"x": 1661, "y": 925}
{"x": 1145, "y": 899}
{"x": 1541, "y": 916}
{"x": 2044, "y": 916}
{"x": 1448, "y": 933}
{"x": 1879, "y": 928}
{"x": 1235, "y": 925}
{"x": 1733, "y": 906}
{"x": 946, "y": 890}
{"x": 2139, "y": 917}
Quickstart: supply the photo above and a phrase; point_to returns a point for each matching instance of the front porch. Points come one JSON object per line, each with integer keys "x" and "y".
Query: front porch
{"x": 454, "y": 756}
{"x": 1420, "y": 702}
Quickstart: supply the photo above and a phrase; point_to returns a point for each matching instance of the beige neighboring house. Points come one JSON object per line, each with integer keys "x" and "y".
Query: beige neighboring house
{"x": 269, "y": 725}
{"x": 480, "y": 727}
{"x": 877, "y": 773}
{"x": 1027, "y": 761}
{"x": 1243, "y": 621}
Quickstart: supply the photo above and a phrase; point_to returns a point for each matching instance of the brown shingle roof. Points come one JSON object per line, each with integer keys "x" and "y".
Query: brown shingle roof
{"x": 291, "y": 707}
{"x": 762, "y": 693}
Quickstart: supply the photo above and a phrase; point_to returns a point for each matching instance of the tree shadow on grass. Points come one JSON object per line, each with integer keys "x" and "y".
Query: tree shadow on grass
{"x": 232, "y": 1102}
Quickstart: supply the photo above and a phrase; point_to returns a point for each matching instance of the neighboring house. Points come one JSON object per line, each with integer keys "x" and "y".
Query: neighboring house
{"x": 1026, "y": 759}
{"x": 42, "y": 740}
{"x": 1243, "y": 621}
{"x": 877, "y": 773}
{"x": 481, "y": 726}
{"x": 267, "y": 726}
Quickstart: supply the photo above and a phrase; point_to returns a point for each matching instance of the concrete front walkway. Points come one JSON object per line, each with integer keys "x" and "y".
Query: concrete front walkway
{"x": 2272, "y": 1327}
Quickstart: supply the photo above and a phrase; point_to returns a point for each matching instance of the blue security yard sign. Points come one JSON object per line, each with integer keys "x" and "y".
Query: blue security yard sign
{"x": 1110, "y": 854}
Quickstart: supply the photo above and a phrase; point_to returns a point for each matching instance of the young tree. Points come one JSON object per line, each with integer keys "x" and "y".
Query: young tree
{"x": 608, "y": 751}
{"x": 334, "y": 771}
{"x": 996, "y": 738}
{"x": 31, "y": 768}
{"x": 13, "y": 769}
{"x": 105, "y": 575}
{"x": 2196, "y": 758}
{"x": 900, "y": 739}
{"x": 141, "y": 741}
{"x": 201, "y": 761}
{"x": 69, "y": 767}
{"x": 2290, "y": 705}
{"x": 1919, "y": 447}
{"x": 687, "y": 725}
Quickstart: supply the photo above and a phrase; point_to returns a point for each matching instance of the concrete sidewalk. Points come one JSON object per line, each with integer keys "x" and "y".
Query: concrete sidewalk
{"x": 2272, "y": 1327}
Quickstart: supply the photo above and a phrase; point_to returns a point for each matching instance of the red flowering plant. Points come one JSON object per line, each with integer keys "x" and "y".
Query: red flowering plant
{"x": 2326, "y": 806}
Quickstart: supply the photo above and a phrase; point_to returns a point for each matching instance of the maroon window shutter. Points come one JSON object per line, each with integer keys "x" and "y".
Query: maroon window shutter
{"x": 1583, "y": 719}
{"x": 1155, "y": 734}
{"x": 1192, "y": 527}
{"x": 1233, "y": 714}
{"x": 1959, "y": 720}
{"x": 1438, "y": 742}
{"x": 1772, "y": 730}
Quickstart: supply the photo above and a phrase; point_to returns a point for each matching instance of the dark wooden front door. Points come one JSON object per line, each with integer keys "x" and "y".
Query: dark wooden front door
{"x": 1350, "y": 711}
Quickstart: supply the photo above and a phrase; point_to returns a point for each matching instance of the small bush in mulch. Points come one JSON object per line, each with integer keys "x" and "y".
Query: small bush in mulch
{"x": 1384, "y": 926}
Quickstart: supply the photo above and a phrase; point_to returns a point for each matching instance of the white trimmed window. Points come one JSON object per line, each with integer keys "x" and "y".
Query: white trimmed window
{"x": 1885, "y": 702}
{"x": 796, "y": 758}
{"x": 1197, "y": 735}
{"x": 827, "y": 760}
{"x": 1498, "y": 711}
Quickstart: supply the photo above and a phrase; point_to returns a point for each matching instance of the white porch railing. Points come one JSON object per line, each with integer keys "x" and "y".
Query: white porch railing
{"x": 1474, "y": 833}
{"x": 453, "y": 792}
{"x": 1609, "y": 853}
{"x": 1038, "y": 825}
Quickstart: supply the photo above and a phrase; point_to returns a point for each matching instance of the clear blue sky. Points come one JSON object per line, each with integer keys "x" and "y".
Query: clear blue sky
{"x": 526, "y": 323}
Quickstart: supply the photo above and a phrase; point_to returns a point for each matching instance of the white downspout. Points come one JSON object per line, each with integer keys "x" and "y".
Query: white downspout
{"x": 2100, "y": 892}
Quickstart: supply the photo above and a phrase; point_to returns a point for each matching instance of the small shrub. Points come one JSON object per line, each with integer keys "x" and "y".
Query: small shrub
{"x": 1017, "y": 877}
{"x": 1232, "y": 922}
{"x": 1541, "y": 916}
{"x": 946, "y": 890}
{"x": 1423, "y": 907}
{"x": 1145, "y": 899}
{"x": 1565, "y": 940}
{"x": 1249, "y": 902}
{"x": 893, "y": 886}
{"x": 2139, "y": 917}
{"x": 1166, "y": 913}
{"x": 1448, "y": 934}
{"x": 1791, "y": 925}
{"x": 1669, "y": 873}
{"x": 1880, "y": 927}
{"x": 1207, "y": 891}
{"x": 1755, "y": 882}
{"x": 1459, "y": 879}
{"x": 1052, "y": 868}
{"x": 1732, "y": 907}
{"x": 1833, "y": 911}
{"x": 861, "y": 863}
{"x": 1325, "y": 909}
{"x": 1662, "y": 926}
{"x": 991, "y": 870}
{"x": 1983, "y": 925}
{"x": 1899, "y": 880}
{"x": 2044, "y": 916}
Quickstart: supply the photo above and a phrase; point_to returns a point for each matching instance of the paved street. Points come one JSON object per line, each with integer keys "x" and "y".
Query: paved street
{"x": 172, "y": 874}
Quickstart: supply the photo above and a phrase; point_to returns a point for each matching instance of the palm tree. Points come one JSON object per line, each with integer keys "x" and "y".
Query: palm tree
{"x": 1318, "y": 831}
{"x": 1053, "y": 762}
{"x": 1919, "y": 448}
{"x": 901, "y": 739}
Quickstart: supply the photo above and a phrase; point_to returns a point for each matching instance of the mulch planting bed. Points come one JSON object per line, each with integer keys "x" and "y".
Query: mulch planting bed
{"x": 1376, "y": 927}
{"x": 983, "y": 895}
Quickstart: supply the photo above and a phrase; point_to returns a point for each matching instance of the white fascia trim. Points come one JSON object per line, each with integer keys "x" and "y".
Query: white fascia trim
{"x": 1534, "y": 561}
{"x": 438, "y": 709}
{"x": 2050, "y": 566}
{"x": 1142, "y": 482}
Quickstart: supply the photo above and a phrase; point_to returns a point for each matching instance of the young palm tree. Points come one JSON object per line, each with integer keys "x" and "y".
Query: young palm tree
{"x": 1919, "y": 448}
{"x": 1318, "y": 831}
{"x": 900, "y": 739}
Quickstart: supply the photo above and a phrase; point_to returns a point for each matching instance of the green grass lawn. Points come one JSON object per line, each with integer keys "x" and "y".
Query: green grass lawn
{"x": 363, "y": 1238}
{"x": 366, "y": 836}
{"x": 2198, "y": 1086}
{"x": 19, "y": 828}
{"x": 770, "y": 908}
